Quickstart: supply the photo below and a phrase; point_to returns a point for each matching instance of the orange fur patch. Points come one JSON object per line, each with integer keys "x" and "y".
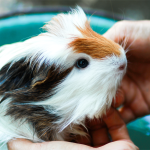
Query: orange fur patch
{"x": 94, "y": 44}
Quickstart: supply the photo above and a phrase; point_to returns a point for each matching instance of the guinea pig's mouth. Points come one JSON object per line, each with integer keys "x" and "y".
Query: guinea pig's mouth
{"x": 120, "y": 73}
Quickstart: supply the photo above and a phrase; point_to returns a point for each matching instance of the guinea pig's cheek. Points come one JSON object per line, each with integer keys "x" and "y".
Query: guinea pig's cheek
{"x": 119, "y": 63}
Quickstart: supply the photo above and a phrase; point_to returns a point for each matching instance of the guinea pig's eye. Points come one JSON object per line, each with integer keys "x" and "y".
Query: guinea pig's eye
{"x": 82, "y": 63}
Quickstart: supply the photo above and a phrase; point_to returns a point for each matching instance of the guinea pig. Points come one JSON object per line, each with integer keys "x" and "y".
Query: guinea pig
{"x": 51, "y": 83}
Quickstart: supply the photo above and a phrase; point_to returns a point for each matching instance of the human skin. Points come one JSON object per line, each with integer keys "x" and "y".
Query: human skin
{"x": 134, "y": 93}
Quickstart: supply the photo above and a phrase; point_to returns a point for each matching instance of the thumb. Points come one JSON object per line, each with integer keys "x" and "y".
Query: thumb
{"x": 23, "y": 144}
{"x": 117, "y": 32}
{"x": 17, "y": 144}
{"x": 119, "y": 145}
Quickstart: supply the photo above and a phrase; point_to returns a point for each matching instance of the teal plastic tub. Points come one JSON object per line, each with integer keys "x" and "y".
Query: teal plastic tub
{"x": 20, "y": 26}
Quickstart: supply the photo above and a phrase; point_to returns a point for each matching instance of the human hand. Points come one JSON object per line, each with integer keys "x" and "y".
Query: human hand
{"x": 98, "y": 137}
{"x": 22, "y": 144}
{"x": 134, "y": 92}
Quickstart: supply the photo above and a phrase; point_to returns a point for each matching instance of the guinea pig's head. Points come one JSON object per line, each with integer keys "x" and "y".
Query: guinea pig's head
{"x": 70, "y": 71}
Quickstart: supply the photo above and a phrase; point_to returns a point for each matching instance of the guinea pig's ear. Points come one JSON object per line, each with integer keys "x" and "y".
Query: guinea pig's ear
{"x": 40, "y": 75}
{"x": 65, "y": 25}
{"x": 26, "y": 83}
{"x": 40, "y": 79}
{"x": 50, "y": 78}
{"x": 19, "y": 79}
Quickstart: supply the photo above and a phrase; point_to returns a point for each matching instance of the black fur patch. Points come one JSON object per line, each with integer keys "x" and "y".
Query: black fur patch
{"x": 25, "y": 83}
{"x": 38, "y": 117}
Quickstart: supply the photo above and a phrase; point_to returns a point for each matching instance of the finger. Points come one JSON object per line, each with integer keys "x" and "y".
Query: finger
{"x": 22, "y": 144}
{"x": 123, "y": 33}
{"x": 132, "y": 98}
{"x": 133, "y": 110}
{"x": 98, "y": 132}
{"x": 111, "y": 33}
{"x": 116, "y": 32}
{"x": 60, "y": 145}
{"x": 18, "y": 144}
{"x": 119, "y": 99}
{"x": 84, "y": 140}
{"x": 116, "y": 125}
{"x": 119, "y": 145}
{"x": 127, "y": 114}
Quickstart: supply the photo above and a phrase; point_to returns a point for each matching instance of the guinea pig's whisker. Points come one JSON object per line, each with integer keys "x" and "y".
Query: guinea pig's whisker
{"x": 133, "y": 41}
{"x": 126, "y": 42}
{"x": 126, "y": 51}
{"x": 44, "y": 131}
{"x": 83, "y": 125}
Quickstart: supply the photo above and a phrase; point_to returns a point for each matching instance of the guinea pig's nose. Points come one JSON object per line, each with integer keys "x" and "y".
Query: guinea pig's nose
{"x": 122, "y": 67}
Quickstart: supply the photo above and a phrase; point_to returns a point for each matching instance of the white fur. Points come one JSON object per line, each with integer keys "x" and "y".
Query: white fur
{"x": 101, "y": 85}
{"x": 84, "y": 93}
